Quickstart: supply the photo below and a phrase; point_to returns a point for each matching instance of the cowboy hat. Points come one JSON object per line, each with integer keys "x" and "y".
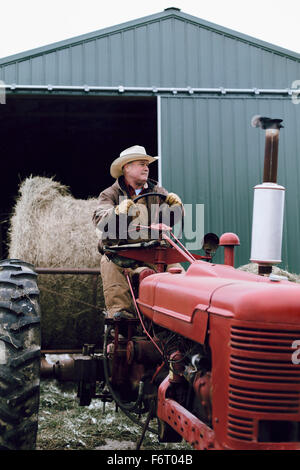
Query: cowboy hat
{"x": 129, "y": 155}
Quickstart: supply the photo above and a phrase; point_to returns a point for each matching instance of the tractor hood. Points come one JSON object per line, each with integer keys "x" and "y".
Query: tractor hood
{"x": 183, "y": 301}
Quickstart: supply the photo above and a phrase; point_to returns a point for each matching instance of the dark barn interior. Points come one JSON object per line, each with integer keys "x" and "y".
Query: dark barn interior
{"x": 72, "y": 138}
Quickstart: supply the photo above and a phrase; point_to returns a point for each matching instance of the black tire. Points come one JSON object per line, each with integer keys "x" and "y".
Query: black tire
{"x": 19, "y": 355}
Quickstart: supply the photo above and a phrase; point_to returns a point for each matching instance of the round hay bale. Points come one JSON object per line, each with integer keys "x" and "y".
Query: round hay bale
{"x": 50, "y": 228}
{"x": 253, "y": 268}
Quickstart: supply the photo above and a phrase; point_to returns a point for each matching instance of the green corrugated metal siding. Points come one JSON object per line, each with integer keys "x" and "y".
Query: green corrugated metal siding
{"x": 167, "y": 49}
{"x": 212, "y": 156}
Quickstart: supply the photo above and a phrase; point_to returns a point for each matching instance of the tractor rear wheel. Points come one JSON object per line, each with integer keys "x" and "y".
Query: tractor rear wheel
{"x": 19, "y": 355}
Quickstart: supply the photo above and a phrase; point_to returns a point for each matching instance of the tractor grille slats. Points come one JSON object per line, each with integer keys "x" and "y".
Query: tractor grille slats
{"x": 256, "y": 350}
{"x": 240, "y": 428}
{"x": 264, "y": 401}
{"x": 261, "y": 370}
{"x": 262, "y": 377}
{"x": 262, "y": 340}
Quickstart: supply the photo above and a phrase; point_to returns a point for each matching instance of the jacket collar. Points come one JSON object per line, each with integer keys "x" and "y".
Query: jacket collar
{"x": 120, "y": 183}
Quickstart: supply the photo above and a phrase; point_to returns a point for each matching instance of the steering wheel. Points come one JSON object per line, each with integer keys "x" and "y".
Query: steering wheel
{"x": 163, "y": 196}
{"x": 140, "y": 196}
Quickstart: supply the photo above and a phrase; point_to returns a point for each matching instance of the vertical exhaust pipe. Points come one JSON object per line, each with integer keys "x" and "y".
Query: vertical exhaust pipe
{"x": 271, "y": 149}
{"x": 268, "y": 204}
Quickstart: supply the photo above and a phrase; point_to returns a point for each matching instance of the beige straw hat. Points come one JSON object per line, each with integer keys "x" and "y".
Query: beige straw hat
{"x": 129, "y": 155}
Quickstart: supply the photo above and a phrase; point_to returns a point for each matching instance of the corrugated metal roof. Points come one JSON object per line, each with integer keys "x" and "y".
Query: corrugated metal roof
{"x": 167, "y": 13}
{"x": 170, "y": 48}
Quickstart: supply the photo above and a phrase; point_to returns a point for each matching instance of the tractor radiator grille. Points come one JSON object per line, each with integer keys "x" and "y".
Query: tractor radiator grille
{"x": 262, "y": 370}
{"x": 262, "y": 377}
{"x": 263, "y": 401}
{"x": 263, "y": 356}
{"x": 264, "y": 341}
{"x": 240, "y": 427}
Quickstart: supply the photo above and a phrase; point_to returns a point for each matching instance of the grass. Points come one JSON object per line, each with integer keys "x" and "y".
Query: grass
{"x": 64, "y": 425}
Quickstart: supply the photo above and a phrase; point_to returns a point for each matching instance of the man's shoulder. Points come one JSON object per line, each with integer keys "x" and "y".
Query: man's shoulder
{"x": 155, "y": 187}
{"x": 110, "y": 190}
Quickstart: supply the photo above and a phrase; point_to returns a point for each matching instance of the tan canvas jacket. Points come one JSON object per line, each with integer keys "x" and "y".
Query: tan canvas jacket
{"x": 111, "y": 227}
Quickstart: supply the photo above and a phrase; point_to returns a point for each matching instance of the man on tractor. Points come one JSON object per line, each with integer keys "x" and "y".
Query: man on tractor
{"x": 121, "y": 221}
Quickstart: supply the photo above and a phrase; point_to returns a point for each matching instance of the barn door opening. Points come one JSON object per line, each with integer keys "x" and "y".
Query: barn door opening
{"x": 73, "y": 138}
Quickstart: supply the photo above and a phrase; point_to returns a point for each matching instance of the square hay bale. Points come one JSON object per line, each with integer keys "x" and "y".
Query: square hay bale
{"x": 69, "y": 318}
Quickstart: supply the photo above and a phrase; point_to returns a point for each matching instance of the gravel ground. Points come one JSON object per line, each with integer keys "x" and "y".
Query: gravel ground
{"x": 64, "y": 425}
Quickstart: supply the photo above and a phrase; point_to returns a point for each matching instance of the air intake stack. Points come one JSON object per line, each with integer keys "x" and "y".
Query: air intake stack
{"x": 268, "y": 204}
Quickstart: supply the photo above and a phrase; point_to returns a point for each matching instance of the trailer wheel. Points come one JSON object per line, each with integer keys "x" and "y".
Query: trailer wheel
{"x": 19, "y": 355}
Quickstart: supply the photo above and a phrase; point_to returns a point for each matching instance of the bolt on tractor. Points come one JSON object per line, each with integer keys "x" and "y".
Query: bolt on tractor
{"x": 209, "y": 356}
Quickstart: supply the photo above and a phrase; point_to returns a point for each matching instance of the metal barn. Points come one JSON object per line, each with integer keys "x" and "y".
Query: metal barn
{"x": 182, "y": 87}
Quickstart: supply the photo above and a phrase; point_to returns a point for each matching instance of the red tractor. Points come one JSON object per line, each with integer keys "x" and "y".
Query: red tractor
{"x": 210, "y": 353}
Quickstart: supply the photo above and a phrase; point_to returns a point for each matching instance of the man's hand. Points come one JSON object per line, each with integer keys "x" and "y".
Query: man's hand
{"x": 124, "y": 207}
{"x": 173, "y": 200}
